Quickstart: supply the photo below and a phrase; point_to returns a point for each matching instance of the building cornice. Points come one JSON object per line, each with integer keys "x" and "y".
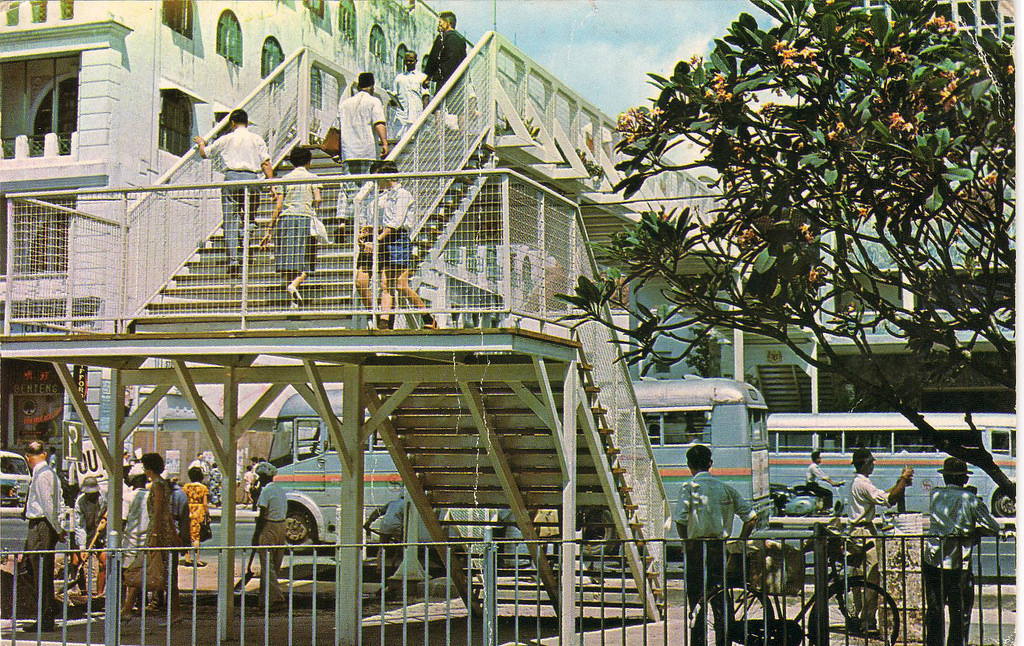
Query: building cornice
{"x": 62, "y": 39}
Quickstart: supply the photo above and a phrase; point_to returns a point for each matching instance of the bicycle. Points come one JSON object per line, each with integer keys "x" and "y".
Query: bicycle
{"x": 757, "y": 614}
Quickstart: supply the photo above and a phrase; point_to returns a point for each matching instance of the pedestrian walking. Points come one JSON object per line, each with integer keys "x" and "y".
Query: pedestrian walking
{"x": 90, "y": 523}
{"x": 245, "y": 154}
{"x": 361, "y": 117}
{"x": 198, "y": 509}
{"x": 447, "y": 52}
{"x": 294, "y": 211}
{"x": 958, "y": 519}
{"x": 864, "y": 497}
{"x": 703, "y": 517}
{"x": 270, "y": 530}
{"x": 42, "y": 510}
{"x": 216, "y": 483}
{"x": 412, "y": 94}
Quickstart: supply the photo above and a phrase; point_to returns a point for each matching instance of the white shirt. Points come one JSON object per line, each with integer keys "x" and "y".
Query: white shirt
{"x": 298, "y": 198}
{"x": 240, "y": 150}
{"x": 410, "y": 91}
{"x": 393, "y": 208}
{"x": 706, "y": 506}
{"x": 958, "y": 519}
{"x": 864, "y": 497}
{"x": 44, "y": 499}
{"x": 136, "y": 525}
{"x": 815, "y": 473}
{"x": 273, "y": 499}
{"x": 357, "y": 115}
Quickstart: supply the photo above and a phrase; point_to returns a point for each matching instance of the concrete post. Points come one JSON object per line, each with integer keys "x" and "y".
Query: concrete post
{"x": 115, "y": 527}
{"x": 226, "y": 558}
{"x": 567, "y": 567}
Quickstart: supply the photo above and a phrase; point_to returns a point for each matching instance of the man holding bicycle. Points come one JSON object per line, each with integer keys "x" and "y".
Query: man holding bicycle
{"x": 703, "y": 517}
{"x": 864, "y": 498}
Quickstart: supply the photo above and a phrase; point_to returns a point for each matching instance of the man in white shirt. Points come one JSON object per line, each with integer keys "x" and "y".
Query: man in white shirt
{"x": 244, "y": 154}
{"x": 273, "y": 509}
{"x": 864, "y": 497}
{"x": 816, "y": 474}
{"x": 360, "y": 117}
{"x": 411, "y": 93}
{"x": 703, "y": 517}
{"x": 42, "y": 510}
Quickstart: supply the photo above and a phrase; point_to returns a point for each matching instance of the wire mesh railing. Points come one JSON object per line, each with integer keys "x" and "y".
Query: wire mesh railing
{"x": 784, "y": 590}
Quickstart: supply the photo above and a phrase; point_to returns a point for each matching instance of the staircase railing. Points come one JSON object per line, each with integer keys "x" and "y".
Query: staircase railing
{"x": 276, "y": 108}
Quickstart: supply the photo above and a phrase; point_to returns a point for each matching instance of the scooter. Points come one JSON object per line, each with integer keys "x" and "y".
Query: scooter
{"x": 799, "y": 500}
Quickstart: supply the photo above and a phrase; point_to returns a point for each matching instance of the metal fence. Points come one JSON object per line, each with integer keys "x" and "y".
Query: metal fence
{"x": 782, "y": 591}
{"x": 496, "y": 244}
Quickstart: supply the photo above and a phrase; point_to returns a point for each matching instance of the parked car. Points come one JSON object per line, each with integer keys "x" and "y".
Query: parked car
{"x": 14, "y": 479}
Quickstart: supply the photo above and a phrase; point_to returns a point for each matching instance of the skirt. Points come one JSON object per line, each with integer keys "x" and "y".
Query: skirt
{"x": 294, "y": 248}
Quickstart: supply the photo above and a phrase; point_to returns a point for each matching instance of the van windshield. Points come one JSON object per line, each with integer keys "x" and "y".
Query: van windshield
{"x": 14, "y": 466}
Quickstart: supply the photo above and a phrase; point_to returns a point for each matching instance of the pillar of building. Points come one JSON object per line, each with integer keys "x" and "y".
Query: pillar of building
{"x": 115, "y": 526}
{"x": 226, "y": 557}
{"x": 348, "y": 609}
{"x": 567, "y": 571}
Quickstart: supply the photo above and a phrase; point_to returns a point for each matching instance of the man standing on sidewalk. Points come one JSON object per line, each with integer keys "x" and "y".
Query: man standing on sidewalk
{"x": 273, "y": 508}
{"x": 42, "y": 510}
{"x": 958, "y": 519}
{"x": 244, "y": 154}
{"x": 864, "y": 497}
{"x": 703, "y": 518}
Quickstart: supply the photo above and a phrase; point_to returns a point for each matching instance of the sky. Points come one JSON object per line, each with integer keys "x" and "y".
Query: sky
{"x": 603, "y": 48}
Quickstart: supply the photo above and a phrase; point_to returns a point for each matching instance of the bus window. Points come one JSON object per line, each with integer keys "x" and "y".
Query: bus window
{"x": 307, "y": 438}
{"x": 1001, "y": 442}
{"x": 653, "y": 422}
{"x": 799, "y": 442}
{"x": 878, "y": 442}
{"x": 757, "y": 422}
{"x": 686, "y": 427}
{"x": 913, "y": 443}
{"x": 830, "y": 442}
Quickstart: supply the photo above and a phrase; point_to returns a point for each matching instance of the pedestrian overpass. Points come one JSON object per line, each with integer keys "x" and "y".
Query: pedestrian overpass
{"x": 507, "y": 406}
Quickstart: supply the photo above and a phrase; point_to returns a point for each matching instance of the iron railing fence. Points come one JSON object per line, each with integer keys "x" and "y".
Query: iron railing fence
{"x": 783, "y": 590}
{"x": 499, "y": 245}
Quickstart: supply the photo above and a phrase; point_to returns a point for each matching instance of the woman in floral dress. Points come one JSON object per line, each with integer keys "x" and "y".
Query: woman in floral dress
{"x": 198, "y": 508}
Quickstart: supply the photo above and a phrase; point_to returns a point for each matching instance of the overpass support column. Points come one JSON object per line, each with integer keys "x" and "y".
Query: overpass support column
{"x": 349, "y": 611}
{"x": 570, "y": 549}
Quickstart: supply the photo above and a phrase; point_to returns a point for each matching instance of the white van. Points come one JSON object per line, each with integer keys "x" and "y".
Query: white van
{"x": 14, "y": 479}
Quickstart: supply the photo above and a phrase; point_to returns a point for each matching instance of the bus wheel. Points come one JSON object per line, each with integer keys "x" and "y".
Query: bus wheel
{"x": 1003, "y": 505}
{"x": 299, "y": 527}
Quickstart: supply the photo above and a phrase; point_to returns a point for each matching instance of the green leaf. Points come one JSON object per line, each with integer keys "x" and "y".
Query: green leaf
{"x": 764, "y": 261}
{"x": 831, "y": 176}
{"x": 812, "y": 159}
{"x": 942, "y": 135}
{"x": 860, "y": 64}
{"x": 934, "y": 202}
{"x": 980, "y": 88}
{"x": 959, "y": 174}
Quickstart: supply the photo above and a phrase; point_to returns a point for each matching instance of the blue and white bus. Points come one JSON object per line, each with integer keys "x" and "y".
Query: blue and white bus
{"x": 895, "y": 443}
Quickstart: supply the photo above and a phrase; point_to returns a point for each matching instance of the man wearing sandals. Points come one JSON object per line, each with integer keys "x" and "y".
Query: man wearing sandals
{"x": 863, "y": 499}
{"x": 703, "y": 518}
{"x": 958, "y": 519}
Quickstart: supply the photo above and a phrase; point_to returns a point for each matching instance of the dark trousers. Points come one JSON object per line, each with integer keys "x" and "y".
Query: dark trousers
{"x": 236, "y": 221}
{"x": 822, "y": 492}
{"x": 705, "y": 575}
{"x": 952, "y": 589}
{"x": 39, "y": 568}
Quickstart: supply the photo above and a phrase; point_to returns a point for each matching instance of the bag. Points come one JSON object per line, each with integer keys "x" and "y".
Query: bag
{"x": 332, "y": 142}
{"x": 156, "y": 571}
{"x": 318, "y": 230}
{"x": 205, "y": 530}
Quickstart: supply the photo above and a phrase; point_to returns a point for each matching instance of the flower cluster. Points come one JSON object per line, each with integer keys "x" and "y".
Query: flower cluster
{"x": 840, "y": 127}
{"x": 990, "y": 179}
{"x": 895, "y": 56}
{"x": 816, "y": 276}
{"x": 805, "y": 229}
{"x": 747, "y": 238}
{"x": 941, "y": 25}
{"x": 638, "y": 122}
{"x": 792, "y": 56}
{"x": 593, "y": 168}
{"x": 719, "y": 91}
{"x": 948, "y": 95}
{"x": 897, "y": 122}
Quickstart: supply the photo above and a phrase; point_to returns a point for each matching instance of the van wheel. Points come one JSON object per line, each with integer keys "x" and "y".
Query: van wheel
{"x": 1003, "y": 505}
{"x": 299, "y": 527}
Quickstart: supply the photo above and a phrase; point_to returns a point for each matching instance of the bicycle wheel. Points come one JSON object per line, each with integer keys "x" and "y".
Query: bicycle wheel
{"x": 746, "y": 616}
{"x": 845, "y": 625}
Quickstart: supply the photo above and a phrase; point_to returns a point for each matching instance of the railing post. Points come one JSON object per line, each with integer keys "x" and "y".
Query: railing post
{"x": 69, "y": 280}
{"x": 820, "y": 627}
{"x": 8, "y": 207}
{"x": 122, "y": 309}
{"x": 506, "y": 247}
{"x": 303, "y": 103}
{"x": 248, "y": 200}
{"x": 492, "y": 82}
{"x": 490, "y": 590}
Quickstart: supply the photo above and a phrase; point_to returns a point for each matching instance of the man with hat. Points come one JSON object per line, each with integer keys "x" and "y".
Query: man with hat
{"x": 273, "y": 508}
{"x": 412, "y": 94}
{"x": 958, "y": 519}
{"x": 863, "y": 499}
{"x": 90, "y": 522}
{"x": 360, "y": 117}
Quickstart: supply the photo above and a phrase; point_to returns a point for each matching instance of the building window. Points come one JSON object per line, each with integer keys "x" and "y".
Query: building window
{"x": 175, "y": 122}
{"x": 347, "y": 20}
{"x": 271, "y": 57}
{"x": 229, "y": 37}
{"x": 38, "y": 10}
{"x": 378, "y": 44}
{"x": 57, "y": 114}
{"x": 178, "y": 15}
{"x": 12, "y": 16}
{"x": 316, "y": 88}
{"x": 67, "y": 9}
{"x": 400, "y": 57}
{"x": 316, "y": 7}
